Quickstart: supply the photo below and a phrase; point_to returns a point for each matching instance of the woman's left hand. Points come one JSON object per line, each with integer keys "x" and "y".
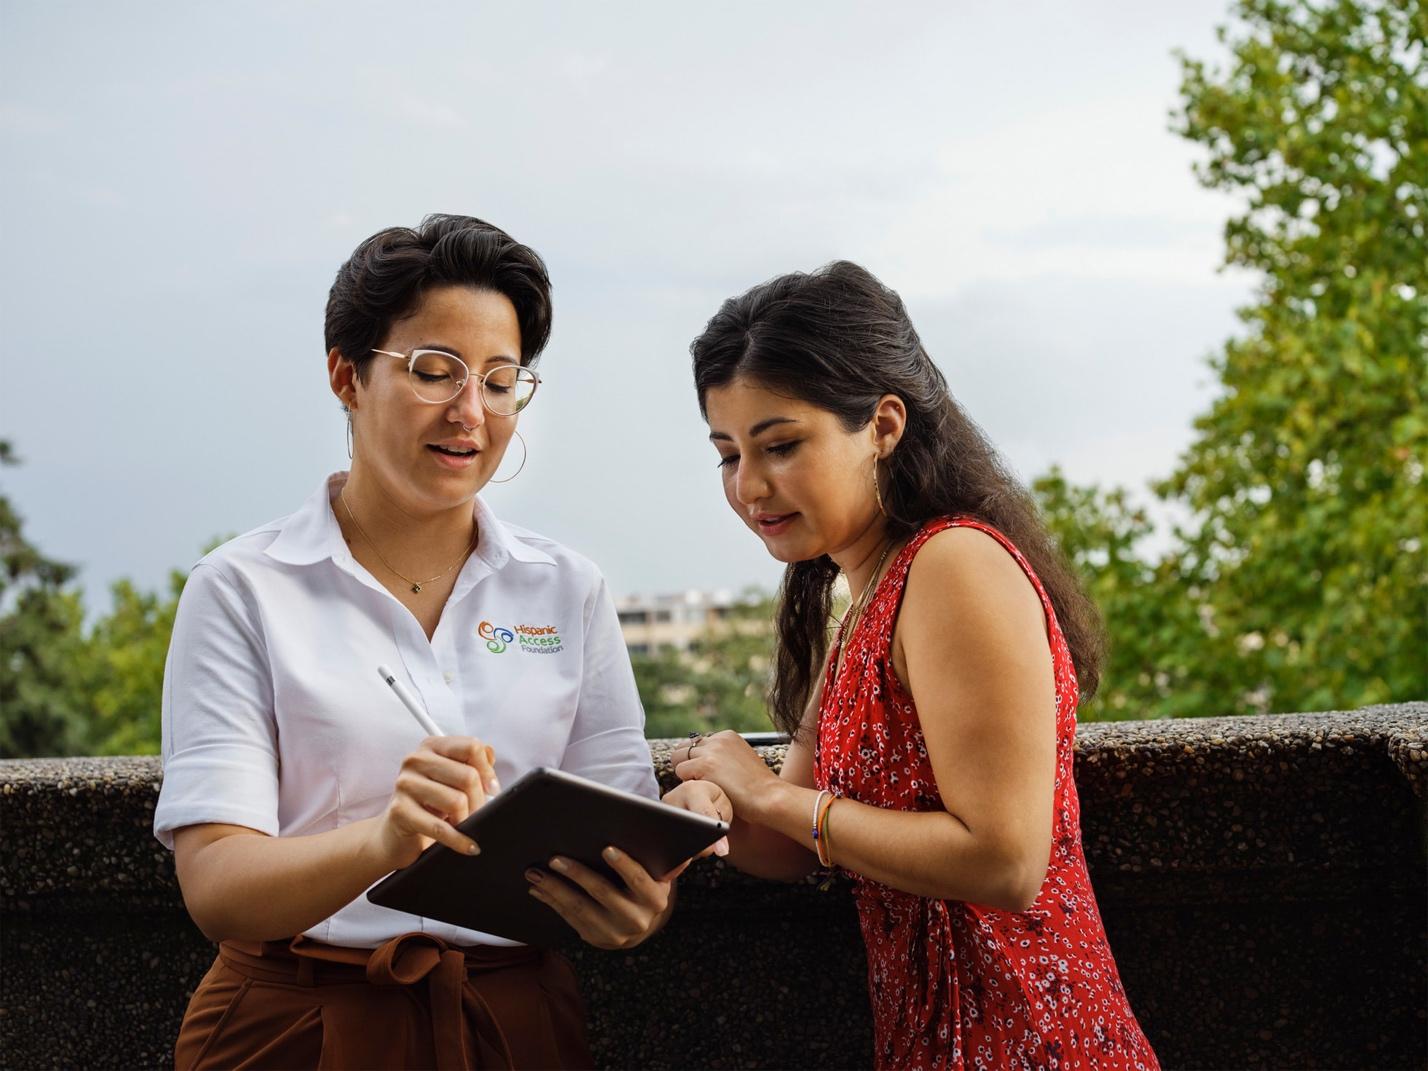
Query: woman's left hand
{"x": 708, "y": 799}
{"x": 602, "y": 914}
{"x": 726, "y": 759}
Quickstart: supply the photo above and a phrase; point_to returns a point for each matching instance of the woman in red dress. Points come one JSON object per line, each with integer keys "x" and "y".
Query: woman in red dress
{"x": 932, "y": 738}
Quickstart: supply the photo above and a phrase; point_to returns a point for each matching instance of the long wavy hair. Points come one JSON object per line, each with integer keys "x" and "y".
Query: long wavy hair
{"x": 839, "y": 339}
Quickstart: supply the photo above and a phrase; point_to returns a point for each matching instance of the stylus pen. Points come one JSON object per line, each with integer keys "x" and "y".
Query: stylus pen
{"x": 410, "y": 702}
{"x": 424, "y": 719}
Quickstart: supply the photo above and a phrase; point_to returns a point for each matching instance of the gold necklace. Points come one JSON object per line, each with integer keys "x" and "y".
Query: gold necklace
{"x": 855, "y": 611}
{"x": 416, "y": 584}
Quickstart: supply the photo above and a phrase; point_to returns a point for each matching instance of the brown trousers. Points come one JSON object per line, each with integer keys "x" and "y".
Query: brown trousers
{"x": 414, "y": 1002}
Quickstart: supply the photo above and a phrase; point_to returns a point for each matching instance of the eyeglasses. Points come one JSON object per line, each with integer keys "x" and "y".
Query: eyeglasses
{"x": 437, "y": 377}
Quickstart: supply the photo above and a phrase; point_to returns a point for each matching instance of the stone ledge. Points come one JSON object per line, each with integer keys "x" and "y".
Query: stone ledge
{"x": 1262, "y": 785}
{"x": 1253, "y": 873}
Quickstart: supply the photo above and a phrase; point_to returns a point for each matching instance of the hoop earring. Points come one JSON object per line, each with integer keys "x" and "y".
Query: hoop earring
{"x": 525, "y": 453}
{"x": 877, "y": 491}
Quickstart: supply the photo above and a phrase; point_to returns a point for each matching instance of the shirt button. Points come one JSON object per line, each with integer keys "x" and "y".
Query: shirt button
{"x": 447, "y": 677}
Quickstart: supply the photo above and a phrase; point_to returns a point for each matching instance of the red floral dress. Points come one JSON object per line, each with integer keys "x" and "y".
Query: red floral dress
{"x": 953, "y": 984}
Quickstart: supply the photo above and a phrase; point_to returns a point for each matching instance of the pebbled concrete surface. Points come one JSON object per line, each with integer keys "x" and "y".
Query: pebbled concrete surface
{"x": 1262, "y": 881}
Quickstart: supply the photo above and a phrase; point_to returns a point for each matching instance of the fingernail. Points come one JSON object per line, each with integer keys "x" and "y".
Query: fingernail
{"x": 495, "y": 786}
{"x": 473, "y": 848}
{"x": 535, "y": 876}
{"x": 721, "y": 846}
{"x": 558, "y": 864}
{"x": 611, "y": 854}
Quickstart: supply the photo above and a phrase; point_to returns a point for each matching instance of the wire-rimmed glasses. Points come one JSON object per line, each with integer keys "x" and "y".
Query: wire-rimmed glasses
{"x": 437, "y": 377}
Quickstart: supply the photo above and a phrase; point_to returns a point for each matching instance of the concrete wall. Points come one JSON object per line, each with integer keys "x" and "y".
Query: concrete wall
{"x": 1262, "y": 882}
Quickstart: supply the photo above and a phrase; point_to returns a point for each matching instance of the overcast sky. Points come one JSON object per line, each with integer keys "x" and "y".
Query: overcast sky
{"x": 181, "y": 181}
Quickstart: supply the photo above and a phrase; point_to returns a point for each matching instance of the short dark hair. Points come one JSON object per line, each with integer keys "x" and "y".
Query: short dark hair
{"x": 386, "y": 275}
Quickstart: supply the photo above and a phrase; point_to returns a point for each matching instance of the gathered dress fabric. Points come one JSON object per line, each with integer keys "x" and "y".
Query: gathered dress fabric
{"x": 415, "y": 1001}
{"x": 954, "y": 984}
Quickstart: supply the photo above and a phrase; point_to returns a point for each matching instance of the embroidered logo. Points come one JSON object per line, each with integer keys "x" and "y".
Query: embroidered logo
{"x": 495, "y": 636}
{"x": 531, "y": 639}
{"x": 539, "y": 639}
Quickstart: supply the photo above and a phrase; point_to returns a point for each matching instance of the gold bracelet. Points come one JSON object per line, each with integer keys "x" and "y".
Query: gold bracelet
{"x": 826, "y": 841}
{"x": 817, "y": 808}
{"x": 824, "y": 836}
{"x": 820, "y": 841}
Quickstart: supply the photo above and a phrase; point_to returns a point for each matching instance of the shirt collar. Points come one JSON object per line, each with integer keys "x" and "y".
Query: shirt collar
{"x": 312, "y": 534}
{"x": 498, "y": 542}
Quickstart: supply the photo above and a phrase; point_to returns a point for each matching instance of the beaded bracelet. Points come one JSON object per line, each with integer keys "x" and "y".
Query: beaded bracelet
{"x": 817, "y": 803}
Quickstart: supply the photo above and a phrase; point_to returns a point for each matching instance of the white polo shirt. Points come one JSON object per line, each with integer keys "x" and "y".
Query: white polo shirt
{"x": 274, "y": 717}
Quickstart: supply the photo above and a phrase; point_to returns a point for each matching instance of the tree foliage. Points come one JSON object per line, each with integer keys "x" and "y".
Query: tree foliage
{"x": 1154, "y": 635}
{"x": 719, "y": 683}
{"x": 68, "y": 689}
{"x": 1305, "y": 477}
{"x": 125, "y": 654}
{"x": 42, "y": 702}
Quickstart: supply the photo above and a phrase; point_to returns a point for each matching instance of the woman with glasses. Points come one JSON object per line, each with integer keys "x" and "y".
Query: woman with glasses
{"x": 931, "y": 753}
{"x": 294, "y": 779}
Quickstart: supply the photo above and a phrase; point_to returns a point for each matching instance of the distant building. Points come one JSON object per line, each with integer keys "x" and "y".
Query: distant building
{"x": 654, "y": 622}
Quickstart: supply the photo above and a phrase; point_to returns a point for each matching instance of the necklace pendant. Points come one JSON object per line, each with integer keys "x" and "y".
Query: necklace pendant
{"x": 416, "y": 589}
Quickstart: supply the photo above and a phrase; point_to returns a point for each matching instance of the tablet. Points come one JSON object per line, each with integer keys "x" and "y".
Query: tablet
{"x": 545, "y": 813}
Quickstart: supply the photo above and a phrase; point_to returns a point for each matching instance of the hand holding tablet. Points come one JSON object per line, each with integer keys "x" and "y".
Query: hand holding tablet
{"x": 546, "y": 815}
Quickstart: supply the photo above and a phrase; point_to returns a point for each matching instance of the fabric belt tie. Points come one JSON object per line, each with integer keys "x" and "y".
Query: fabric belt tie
{"x": 406, "y": 960}
{"x": 402, "y": 961}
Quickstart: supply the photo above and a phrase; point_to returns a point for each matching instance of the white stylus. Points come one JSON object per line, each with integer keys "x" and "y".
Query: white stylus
{"x": 424, "y": 719}
{"x": 410, "y": 702}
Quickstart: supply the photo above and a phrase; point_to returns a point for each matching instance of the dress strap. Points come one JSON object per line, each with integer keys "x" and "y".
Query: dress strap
{"x": 876, "y": 633}
{"x": 888, "y": 598}
{"x": 1017, "y": 556}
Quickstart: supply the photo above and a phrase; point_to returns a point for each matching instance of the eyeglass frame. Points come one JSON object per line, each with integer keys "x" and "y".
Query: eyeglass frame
{"x": 480, "y": 377}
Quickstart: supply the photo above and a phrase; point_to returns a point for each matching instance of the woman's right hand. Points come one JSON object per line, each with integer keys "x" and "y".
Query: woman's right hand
{"x": 441, "y": 783}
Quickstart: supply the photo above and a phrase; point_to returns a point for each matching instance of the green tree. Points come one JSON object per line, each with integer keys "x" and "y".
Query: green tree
{"x": 65, "y": 689}
{"x": 662, "y": 679}
{"x": 719, "y": 683}
{"x": 42, "y": 703}
{"x": 1305, "y": 478}
{"x": 1150, "y": 616}
{"x": 125, "y": 655}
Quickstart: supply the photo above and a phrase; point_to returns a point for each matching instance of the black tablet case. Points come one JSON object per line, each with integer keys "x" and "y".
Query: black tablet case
{"x": 547, "y": 812}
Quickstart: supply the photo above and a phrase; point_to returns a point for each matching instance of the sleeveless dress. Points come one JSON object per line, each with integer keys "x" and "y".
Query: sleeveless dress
{"x": 954, "y": 984}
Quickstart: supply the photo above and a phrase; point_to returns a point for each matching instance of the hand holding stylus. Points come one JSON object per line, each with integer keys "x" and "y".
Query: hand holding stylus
{"x": 440, "y": 784}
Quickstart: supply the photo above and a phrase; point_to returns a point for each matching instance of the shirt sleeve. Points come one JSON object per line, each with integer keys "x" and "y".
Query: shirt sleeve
{"x": 220, "y": 751}
{"x": 607, "y": 740}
